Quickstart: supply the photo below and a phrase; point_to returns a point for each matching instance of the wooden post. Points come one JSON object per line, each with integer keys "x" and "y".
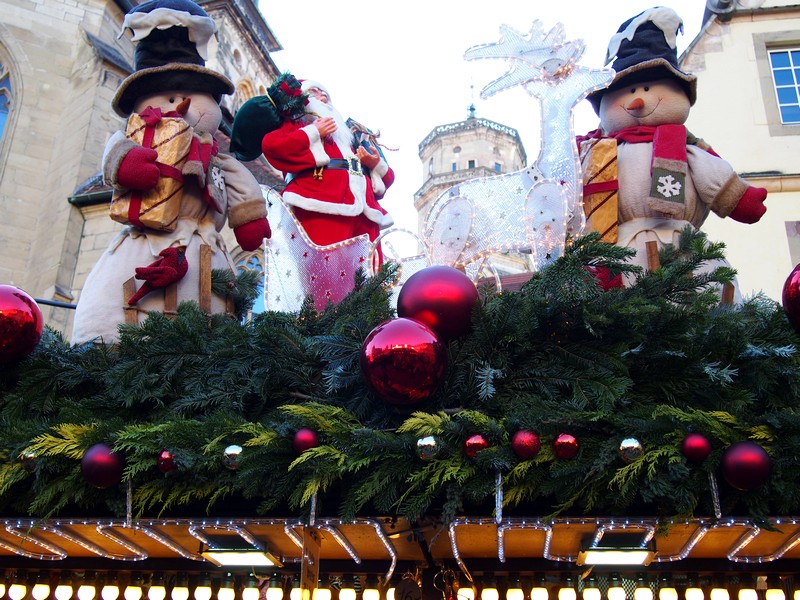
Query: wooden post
{"x": 205, "y": 278}
{"x": 128, "y": 290}
{"x": 653, "y": 262}
{"x": 727, "y": 294}
{"x": 171, "y": 300}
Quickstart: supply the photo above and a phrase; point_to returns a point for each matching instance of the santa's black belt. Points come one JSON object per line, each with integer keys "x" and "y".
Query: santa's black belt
{"x": 353, "y": 165}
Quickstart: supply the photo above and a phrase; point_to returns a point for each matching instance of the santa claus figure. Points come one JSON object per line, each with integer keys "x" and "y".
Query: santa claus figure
{"x": 645, "y": 176}
{"x": 172, "y": 187}
{"x": 334, "y": 181}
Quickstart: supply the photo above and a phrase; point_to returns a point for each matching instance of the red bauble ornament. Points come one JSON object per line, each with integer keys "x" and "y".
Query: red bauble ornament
{"x": 791, "y": 298}
{"x": 403, "y": 361}
{"x": 696, "y": 447}
{"x": 442, "y": 298}
{"x": 20, "y": 324}
{"x": 305, "y": 439}
{"x": 565, "y": 446}
{"x": 526, "y": 444}
{"x": 746, "y": 466}
{"x": 474, "y": 444}
{"x": 102, "y": 467}
{"x": 166, "y": 462}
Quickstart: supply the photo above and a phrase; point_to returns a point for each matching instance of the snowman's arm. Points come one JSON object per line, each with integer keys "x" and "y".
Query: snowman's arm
{"x": 245, "y": 200}
{"x": 716, "y": 182}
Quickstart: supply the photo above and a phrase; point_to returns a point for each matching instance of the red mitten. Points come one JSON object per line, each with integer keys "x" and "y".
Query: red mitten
{"x": 604, "y": 278}
{"x": 751, "y": 207}
{"x": 138, "y": 170}
{"x": 252, "y": 234}
{"x": 171, "y": 267}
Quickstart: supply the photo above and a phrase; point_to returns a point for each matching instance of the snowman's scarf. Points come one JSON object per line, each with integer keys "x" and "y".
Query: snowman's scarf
{"x": 668, "y": 167}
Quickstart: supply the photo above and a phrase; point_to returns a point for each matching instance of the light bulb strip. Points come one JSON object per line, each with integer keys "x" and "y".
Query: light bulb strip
{"x": 387, "y": 543}
{"x": 292, "y": 534}
{"x": 512, "y": 524}
{"x": 56, "y": 553}
{"x": 78, "y": 540}
{"x": 741, "y": 544}
{"x": 648, "y": 533}
{"x": 169, "y": 543}
{"x": 784, "y": 548}
{"x": 693, "y": 540}
{"x": 342, "y": 540}
{"x": 137, "y": 553}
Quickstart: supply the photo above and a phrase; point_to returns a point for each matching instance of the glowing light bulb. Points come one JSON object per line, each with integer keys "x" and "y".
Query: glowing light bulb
{"x": 109, "y": 592}
{"x": 275, "y": 590}
{"x": 179, "y": 592}
{"x": 616, "y": 592}
{"x": 202, "y": 592}
{"x": 668, "y": 593}
{"x": 540, "y": 593}
{"x": 40, "y": 591}
{"x": 642, "y": 593}
{"x": 568, "y": 593}
{"x": 86, "y": 592}
{"x": 515, "y": 593}
{"x": 321, "y": 593}
{"x": 63, "y": 592}
{"x": 720, "y": 594}
{"x": 133, "y": 592}
{"x": 592, "y": 593}
{"x": 226, "y": 592}
{"x": 17, "y": 591}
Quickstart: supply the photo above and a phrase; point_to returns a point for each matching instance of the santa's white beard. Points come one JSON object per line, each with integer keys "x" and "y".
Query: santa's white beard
{"x": 342, "y": 137}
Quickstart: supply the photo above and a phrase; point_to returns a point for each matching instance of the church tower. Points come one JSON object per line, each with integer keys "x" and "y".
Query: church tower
{"x": 465, "y": 150}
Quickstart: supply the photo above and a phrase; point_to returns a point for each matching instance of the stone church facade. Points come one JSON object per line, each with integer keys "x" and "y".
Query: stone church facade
{"x": 60, "y": 64}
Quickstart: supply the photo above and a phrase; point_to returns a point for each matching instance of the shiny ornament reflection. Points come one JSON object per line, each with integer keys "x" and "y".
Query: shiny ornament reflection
{"x": 403, "y": 361}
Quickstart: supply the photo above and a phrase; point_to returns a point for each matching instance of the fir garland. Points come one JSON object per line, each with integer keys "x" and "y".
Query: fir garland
{"x": 653, "y": 361}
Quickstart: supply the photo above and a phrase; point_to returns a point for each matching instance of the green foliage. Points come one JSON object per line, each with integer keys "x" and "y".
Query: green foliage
{"x": 653, "y": 361}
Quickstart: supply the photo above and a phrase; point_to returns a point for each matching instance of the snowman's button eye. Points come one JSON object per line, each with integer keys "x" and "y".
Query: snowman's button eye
{"x": 633, "y": 90}
{"x": 172, "y": 100}
{"x": 647, "y": 88}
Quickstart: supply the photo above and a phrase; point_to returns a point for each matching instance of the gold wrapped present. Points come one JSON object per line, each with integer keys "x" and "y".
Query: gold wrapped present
{"x": 157, "y": 208}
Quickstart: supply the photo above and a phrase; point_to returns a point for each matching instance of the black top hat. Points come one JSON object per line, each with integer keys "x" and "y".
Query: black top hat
{"x": 170, "y": 54}
{"x": 644, "y": 48}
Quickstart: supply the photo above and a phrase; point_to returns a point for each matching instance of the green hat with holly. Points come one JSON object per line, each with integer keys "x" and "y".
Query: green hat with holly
{"x": 284, "y": 100}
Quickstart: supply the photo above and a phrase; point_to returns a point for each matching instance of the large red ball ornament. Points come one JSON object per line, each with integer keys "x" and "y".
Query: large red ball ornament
{"x": 565, "y": 446}
{"x": 442, "y": 298}
{"x": 102, "y": 467}
{"x": 305, "y": 439}
{"x": 526, "y": 444}
{"x": 696, "y": 447}
{"x": 20, "y": 324}
{"x": 474, "y": 444}
{"x": 403, "y": 361}
{"x": 746, "y": 466}
{"x": 791, "y": 298}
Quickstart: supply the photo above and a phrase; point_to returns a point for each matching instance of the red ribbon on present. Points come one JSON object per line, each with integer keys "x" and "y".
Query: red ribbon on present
{"x": 151, "y": 117}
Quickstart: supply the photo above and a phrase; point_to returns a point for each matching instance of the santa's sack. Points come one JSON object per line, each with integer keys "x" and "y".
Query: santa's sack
{"x": 157, "y": 208}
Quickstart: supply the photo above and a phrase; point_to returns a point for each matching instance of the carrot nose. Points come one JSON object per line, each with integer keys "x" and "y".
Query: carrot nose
{"x": 183, "y": 107}
{"x": 635, "y": 104}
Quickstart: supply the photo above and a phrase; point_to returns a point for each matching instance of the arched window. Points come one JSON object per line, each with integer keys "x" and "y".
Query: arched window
{"x": 253, "y": 261}
{"x": 6, "y": 98}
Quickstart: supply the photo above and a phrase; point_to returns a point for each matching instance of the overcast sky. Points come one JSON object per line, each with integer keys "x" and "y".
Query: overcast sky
{"x": 399, "y": 67}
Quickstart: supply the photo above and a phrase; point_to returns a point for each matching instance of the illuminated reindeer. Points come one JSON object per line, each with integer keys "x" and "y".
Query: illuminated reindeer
{"x": 526, "y": 211}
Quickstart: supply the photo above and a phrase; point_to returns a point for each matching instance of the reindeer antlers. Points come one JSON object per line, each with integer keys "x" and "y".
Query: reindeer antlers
{"x": 542, "y": 55}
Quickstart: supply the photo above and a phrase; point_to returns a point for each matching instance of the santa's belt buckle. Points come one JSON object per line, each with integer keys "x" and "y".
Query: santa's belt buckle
{"x": 354, "y": 166}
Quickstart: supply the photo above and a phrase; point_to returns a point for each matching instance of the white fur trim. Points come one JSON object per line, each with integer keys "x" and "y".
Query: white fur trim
{"x": 307, "y": 84}
{"x": 315, "y": 146}
{"x": 200, "y": 28}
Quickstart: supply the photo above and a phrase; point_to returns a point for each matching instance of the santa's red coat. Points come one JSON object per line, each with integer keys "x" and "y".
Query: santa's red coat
{"x": 297, "y": 149}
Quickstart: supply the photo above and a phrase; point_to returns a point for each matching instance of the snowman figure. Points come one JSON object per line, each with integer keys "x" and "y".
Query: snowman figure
{"x": 172, "y": 187}
{"x": 645, "y": 176}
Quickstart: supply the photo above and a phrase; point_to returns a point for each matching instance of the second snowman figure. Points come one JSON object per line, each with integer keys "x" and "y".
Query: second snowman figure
{"x": 645, "y": 176}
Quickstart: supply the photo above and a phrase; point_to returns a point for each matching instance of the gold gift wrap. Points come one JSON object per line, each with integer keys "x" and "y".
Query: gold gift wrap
{"x": 156, "y": 208}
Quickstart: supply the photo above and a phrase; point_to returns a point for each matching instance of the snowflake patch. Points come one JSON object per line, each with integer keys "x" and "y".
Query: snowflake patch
{"x": 668, "y": 187}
